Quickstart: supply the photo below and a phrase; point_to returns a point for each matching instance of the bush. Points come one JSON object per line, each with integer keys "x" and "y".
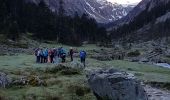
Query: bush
{"x": 70, "y": 72}
{"x": 53, "y": 98}
{"x": 134, "y": 53}
{"x": 56, "y": 68}
{"x": 63, "y": 69}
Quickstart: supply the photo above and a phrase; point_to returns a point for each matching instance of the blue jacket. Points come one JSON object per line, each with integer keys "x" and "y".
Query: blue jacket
{"x": 82, "y": 54}
{"x": 45, "y": 53}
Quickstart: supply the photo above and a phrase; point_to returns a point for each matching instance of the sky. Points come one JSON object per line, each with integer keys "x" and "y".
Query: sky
{"x": 125, "y": 1}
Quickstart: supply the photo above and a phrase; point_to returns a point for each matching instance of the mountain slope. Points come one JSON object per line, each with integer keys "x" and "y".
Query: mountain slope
{"x": 101, "y": 10}
{"x": 148, "y": 20}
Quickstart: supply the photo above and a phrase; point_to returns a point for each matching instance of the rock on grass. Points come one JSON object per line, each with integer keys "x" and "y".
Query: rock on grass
{"x": 115, "y": 85}
{"x": 4, "y": 80}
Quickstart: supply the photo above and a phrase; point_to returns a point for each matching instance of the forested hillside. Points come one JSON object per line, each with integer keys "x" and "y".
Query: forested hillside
{"x": 151, "y": 23}
{"x": 18, "y": 18}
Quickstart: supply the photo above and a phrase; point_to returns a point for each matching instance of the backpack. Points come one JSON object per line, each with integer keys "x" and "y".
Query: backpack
{"x": 82, "y": 54}
{"x": 41, "y": 53}
{"x": 45, "y": 53}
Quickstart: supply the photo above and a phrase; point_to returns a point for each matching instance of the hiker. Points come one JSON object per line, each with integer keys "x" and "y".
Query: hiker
{"x": 71, "y": 53}
{"x": 83, "y": 57}
{"x": 51, "y": 55}
{"x": 55, "y": 56}
{"x": 45, "y": 55}
{"x": 59, "y": 52}
{"x": 36, "y": 54}
{"x": 41, "y": 56}
{"x": 63, "y": 55}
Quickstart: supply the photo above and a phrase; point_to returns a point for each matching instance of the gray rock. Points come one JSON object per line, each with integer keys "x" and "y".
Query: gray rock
{"x": 4, "y": 80}
{"x": 167, "y": 53}
{"x": 115, "y": 85}
{"x": 76, "y": 65}
{"x": 144, "y": 60}
{"x": 134, "y": 59}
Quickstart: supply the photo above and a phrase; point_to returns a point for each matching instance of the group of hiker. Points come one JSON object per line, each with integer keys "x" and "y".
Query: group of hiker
{"x": 56, "y": 55}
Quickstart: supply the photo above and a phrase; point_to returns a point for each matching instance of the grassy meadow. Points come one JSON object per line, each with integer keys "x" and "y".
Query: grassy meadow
{"x": 62, "y": 86}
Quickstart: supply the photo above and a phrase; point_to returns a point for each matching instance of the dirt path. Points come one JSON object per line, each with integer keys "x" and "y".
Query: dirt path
{"x": 157, "y": 94}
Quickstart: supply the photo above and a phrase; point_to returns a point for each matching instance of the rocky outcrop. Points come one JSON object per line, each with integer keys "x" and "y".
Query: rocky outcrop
{"x": 157, "y": 94}
{"x": 4, "y": 80}
{"x": 115, "y": 85}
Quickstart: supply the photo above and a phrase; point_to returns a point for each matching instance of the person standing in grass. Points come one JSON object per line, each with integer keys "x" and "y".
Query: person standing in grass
{"x": 36, "y": 54}
{"x": 56, "y": 59}
{"x": 45, "y": 54}
{"x": 63, "y": 55}
{"x": 71, "y": 53}
{"x": 83, "y": 57}
{"x": 41, "y": 56}
{"x": 50, "y": 52}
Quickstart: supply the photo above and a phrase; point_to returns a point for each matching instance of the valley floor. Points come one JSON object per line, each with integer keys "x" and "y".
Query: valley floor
{"x": 60, "y": 86}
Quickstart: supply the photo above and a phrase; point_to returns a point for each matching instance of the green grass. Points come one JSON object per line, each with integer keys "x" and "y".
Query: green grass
{"x": 58, "y": 84}
{"x": 147, "y": 72}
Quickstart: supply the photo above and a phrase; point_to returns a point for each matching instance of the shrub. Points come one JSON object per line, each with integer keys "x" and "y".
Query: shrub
{"x": 53, "y": 98}
{"x": 63, "y": 69}
{"x": 56, "y": 68}
{"x": 36, "y": 81}
{"x": 70, "y": 72}
{"x": 134, "y": 53}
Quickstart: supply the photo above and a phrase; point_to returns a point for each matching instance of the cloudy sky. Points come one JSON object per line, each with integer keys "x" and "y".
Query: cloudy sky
{"x": 125, "y": 1}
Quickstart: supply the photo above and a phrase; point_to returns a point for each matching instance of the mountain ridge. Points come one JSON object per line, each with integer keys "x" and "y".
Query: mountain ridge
{"x": 101, "y": 10}
{"x": 150, "y": 19}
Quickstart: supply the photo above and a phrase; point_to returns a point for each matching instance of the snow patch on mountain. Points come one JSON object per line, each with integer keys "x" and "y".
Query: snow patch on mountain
{"x": 101, "y": 10}
{"x": 163, "y": 18}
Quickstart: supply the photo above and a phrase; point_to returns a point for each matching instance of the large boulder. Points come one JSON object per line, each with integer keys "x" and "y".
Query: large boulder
{"x": 4, "y": 80}
{"x": 115, "y": 85}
